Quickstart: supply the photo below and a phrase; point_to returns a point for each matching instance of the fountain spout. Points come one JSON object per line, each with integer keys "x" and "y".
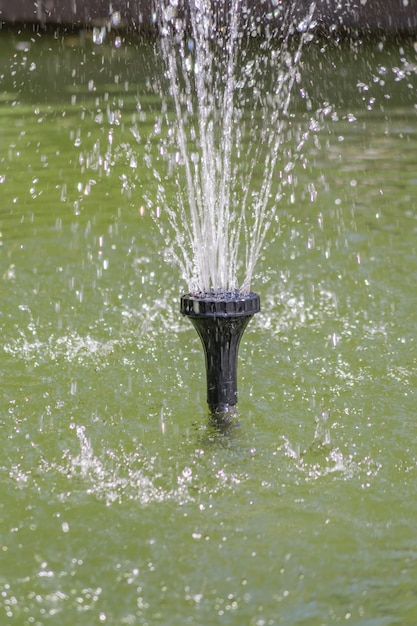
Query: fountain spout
{"x": 220, "y": 322}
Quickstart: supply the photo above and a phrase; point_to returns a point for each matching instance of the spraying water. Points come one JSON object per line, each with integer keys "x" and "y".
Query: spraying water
{"x": 227, "y": 115}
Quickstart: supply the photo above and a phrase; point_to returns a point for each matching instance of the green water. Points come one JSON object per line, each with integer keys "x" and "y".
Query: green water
{"x": 119, "y": 503}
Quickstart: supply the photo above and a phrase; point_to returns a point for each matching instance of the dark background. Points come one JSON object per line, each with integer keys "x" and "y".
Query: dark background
{"x": 356, "y": 16}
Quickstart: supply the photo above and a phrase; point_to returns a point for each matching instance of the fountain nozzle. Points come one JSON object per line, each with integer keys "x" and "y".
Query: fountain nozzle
{"x": 220, "y": 322}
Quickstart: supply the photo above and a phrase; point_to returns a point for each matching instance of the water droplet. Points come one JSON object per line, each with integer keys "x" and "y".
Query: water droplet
{"x": 116, "y": 19}
{"x": 99, "y": 35}
{"x": 314, "y": 125}
{"x": 187, "y": 472}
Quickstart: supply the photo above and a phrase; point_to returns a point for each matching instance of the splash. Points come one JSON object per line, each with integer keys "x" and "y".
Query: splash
{"x": 71, "y": 347}
{"x": 323, "y": 459}
{"x": 114, "y": 476}
{"x": 227, "y": 117}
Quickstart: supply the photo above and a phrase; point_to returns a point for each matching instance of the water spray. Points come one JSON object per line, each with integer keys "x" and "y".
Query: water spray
{"x": 220, "y": 322}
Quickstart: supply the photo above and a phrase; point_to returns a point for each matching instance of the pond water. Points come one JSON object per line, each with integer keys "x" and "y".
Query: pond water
{"x": 119, "y": 502}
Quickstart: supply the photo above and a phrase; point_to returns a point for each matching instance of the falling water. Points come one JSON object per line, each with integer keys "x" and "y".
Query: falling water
{"x": 118, "y": 504}
{"x": 227, "y": 114}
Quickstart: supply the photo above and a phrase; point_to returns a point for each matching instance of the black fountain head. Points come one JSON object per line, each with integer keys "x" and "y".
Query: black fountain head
{"x": 220, "y": 321}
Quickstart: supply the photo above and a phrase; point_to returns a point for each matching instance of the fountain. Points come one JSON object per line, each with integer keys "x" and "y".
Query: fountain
{"x": 220, "y": 323}
{"x": 115, "y": 504}
{"x": 210, "y": 73}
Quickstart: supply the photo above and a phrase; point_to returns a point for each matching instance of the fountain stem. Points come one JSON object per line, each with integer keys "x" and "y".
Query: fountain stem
{"x": 220, "y": 322}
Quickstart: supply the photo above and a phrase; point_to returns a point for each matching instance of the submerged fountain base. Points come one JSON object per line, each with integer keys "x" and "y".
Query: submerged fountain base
{"x": 220, "y": 322}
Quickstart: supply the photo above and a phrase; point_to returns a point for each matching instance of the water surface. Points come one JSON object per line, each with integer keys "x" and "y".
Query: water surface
{"x": 119, "y": 502}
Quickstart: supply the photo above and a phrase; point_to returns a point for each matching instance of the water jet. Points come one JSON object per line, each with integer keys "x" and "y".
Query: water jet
{"x": 220, "y": 321}
{"x": 224, "y": 203}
